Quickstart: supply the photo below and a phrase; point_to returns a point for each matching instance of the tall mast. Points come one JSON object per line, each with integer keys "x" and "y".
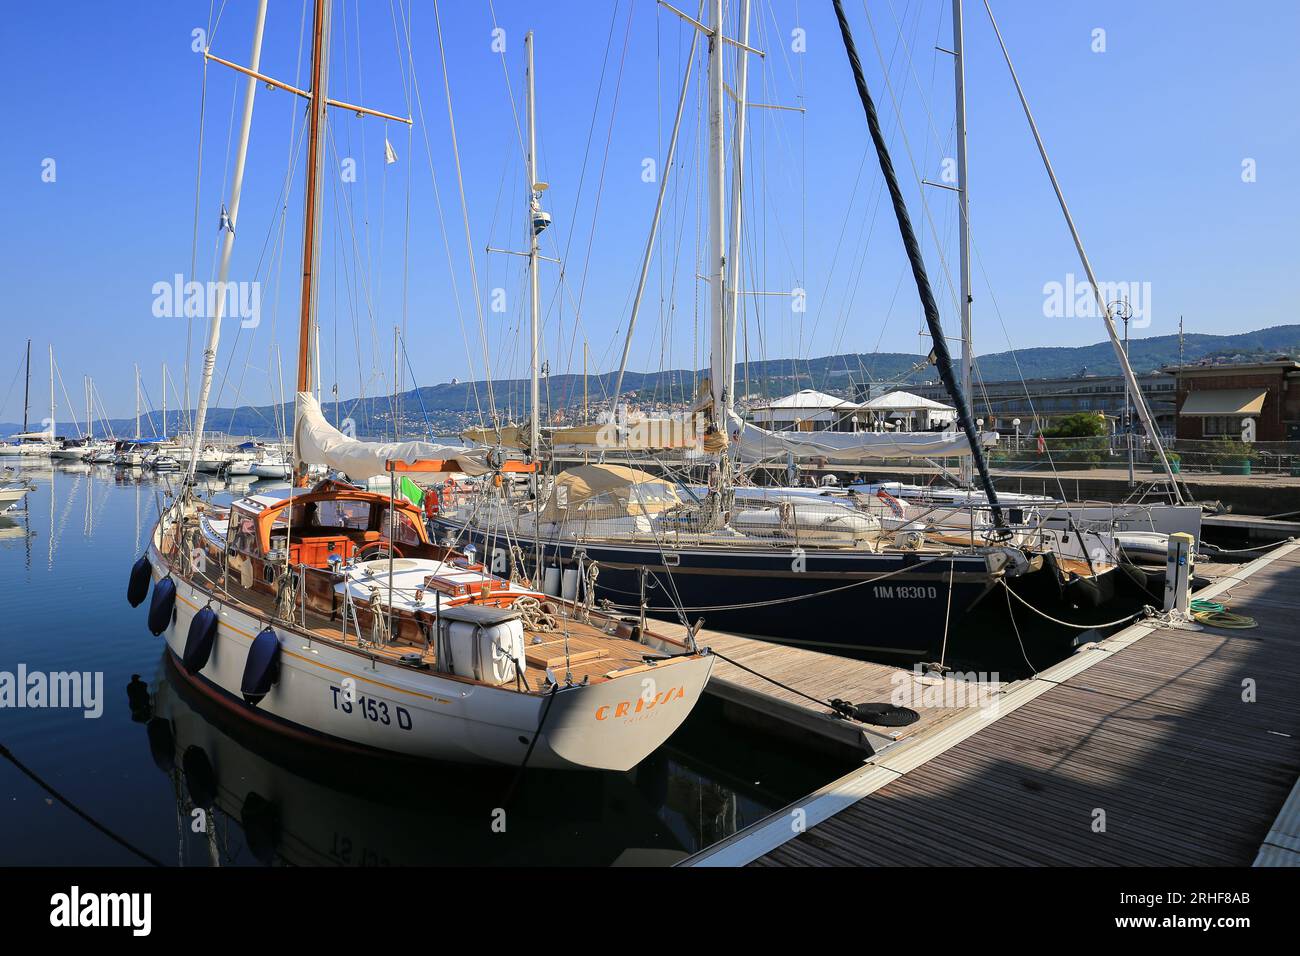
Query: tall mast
{"x": 737, "y": 189}
{"x": 963, "y": 220}
{"x": 1139, "y": 401}
{"x": 534, "y": 307}
{"x": 227, "y": 247}
{"x": 53, "y": 428}
{"x": 137, "y": 403}
{"x": 163, "y": 433}
{"x": 939, "y": 356}
{"x": 315, "y": 196}
{"x": 27, "y": 388}
{"x": 312, "y": 215}
{"x": 716, "y": 262}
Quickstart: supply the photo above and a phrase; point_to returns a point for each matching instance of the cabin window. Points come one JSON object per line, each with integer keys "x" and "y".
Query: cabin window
{"x": 353, "y": 515}
{"x": 404, "y": 531}
{"x": 243, "y": 533}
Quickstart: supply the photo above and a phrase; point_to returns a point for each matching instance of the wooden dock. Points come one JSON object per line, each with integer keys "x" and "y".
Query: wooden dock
{"x": 1253, "y": 526}
{"x": 783, "y": 712}
{"x": 1158, "y": 746}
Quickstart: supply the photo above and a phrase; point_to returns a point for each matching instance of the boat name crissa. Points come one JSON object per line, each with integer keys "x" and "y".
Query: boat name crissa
{"x": 629, "y": 708}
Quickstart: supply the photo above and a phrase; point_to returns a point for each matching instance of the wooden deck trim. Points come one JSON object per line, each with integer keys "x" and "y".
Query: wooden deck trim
{"x": 777, "y": 829}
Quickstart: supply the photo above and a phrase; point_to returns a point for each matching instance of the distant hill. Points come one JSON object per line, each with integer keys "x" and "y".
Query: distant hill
{"x": 449, "y": 407}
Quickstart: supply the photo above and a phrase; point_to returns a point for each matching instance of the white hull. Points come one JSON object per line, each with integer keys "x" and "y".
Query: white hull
{"x": 11, "y": 496}
{"x": 27, "y": 450}
{"x": 433, "y": 716}
{"x": 273, "y": 469}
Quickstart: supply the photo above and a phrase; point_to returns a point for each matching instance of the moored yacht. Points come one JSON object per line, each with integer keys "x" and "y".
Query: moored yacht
{"x": 328, "y": 611}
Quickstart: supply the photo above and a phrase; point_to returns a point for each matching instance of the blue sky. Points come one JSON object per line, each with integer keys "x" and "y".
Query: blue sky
{"x": 1148, "y": 137}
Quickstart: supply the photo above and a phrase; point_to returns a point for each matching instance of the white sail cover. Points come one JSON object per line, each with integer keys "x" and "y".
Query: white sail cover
{"x": 758, "y": 444}
{"x": 317, "y": 442}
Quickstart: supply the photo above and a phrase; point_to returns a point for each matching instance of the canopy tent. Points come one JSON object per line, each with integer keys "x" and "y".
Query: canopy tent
{"x": 805, "y": 409}
{"x": 900, "y": 401}
{"x": 317, "y": 442}
{"x": 608, "y": 491}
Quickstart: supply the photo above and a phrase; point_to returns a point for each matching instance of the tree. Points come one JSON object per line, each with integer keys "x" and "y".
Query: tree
{"x": 1078, "y": 425}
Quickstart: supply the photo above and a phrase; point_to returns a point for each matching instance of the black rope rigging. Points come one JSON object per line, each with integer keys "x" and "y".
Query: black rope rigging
{"x": 6, "y": 753}
{"x": 541, "y": 723}
{"x": 940, "y": 355}
{"x": 886, "y": 714}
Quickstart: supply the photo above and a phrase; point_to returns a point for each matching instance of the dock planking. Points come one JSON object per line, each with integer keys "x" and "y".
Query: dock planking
{"x": 824, "y": 676}
{"x": 1150, "y": 734}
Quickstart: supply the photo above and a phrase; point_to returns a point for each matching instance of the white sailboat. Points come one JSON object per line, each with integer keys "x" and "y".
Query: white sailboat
{"x": 329, "y": 614}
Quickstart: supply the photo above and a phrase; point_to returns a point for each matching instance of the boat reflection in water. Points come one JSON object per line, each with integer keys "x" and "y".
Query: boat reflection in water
{"x": 246, "y": 796}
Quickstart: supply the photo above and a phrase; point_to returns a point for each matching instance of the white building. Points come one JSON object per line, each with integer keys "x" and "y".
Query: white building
{"x": 906, "y": 412}
{"x": 807, "y": 411}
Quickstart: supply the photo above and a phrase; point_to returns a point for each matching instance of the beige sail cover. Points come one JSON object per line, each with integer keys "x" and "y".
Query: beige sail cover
{"x": 317, "y": 442}
{"x": 627, "y": 491}
{"x": 506, "y": 436}
{"x": 637, "y": 434}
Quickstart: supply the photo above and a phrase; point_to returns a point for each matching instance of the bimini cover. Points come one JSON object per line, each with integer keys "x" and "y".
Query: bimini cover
{"x": 608, "y": 491}
{"x": 320, "y": 443}
{"x": 753, "y": 443}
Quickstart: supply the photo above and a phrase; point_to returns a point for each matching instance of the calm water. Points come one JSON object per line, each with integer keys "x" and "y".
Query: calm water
{"x": 142, "y": 769}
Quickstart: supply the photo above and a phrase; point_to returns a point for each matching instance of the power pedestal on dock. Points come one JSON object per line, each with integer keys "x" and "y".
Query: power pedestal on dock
{"x": 1178, "y": 575}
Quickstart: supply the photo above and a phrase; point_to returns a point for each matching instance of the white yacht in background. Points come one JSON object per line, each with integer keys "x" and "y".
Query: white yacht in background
{"x": 12, "y": 490}
{"x": 273, "y": 466}
{"x": 30, "y": 444}
{"x": 68, "y": 451}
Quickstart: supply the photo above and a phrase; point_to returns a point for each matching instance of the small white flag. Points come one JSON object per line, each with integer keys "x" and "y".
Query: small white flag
{"x": 390, "y": 154}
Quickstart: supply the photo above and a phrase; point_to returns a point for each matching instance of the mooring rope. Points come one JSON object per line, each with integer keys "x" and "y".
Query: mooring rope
{"x": 32, "y": 775}
{"x": 1146, "y": 611}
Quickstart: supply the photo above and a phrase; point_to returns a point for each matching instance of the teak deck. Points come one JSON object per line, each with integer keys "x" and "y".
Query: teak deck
{"x": 592, "y": 652}
{"x": 1142, "y": 751}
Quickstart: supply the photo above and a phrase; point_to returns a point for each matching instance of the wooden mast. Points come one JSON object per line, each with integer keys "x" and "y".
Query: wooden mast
{"x": 311, "y": 217}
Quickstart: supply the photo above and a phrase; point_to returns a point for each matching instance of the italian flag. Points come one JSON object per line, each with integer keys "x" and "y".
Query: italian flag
{"x": 411, "y": 492}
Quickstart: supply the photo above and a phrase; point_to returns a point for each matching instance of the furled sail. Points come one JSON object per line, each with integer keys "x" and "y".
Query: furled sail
{"x": 317, "y": 442}
{"x": 758, "y": 444}
{"x": 624, "y": 434}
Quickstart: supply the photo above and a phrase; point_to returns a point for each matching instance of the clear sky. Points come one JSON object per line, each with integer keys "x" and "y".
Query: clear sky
{"x": 1174, "y": 132}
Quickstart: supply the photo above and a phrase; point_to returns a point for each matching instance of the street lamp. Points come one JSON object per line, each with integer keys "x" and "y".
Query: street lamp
{"x": 1015, "y": 423}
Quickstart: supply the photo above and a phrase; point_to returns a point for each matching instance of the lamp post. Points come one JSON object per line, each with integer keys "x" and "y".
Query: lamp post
{"x": 1015, "y": 423}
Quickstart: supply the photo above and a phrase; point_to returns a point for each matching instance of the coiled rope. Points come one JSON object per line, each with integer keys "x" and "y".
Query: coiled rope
{"x": 1216, "y": 614}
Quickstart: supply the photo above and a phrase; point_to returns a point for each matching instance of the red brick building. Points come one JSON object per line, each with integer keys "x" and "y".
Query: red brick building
{"x": 1215, "y": 400}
